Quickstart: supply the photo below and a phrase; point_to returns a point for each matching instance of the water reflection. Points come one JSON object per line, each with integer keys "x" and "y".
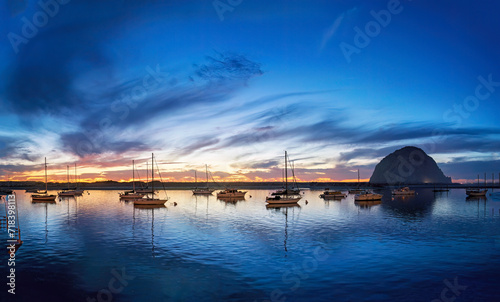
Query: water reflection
{"x": 367, "y": 204}
{"x": 149, "y": 209}
{"x": 411, "y": 206}
{"x": 283, "y": 208}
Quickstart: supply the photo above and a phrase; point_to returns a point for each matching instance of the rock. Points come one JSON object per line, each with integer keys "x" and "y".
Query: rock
{"x": 409, "y": 165}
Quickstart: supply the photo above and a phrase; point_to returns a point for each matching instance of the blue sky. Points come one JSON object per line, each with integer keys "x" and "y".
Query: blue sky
{"x": 235, "y": 84}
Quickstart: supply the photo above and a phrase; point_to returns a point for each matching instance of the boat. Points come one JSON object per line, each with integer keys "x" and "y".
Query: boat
{"x": 131, "y": 195}
{"x": 403, "y": 191}
{"x": 231, "y": 193}
{"x": 289, "y": 191}
{"x": 146, "y": 190}
{"x": 286, "y": 198}
{"x": 151, "y": 200}
{"x": 202, "y": 191}
{"x": 474, "y": 192}
{"x": 327, "y": 194}
{"x": 67, "y": 192}
{"x": 44, "y": 197}
{"x": 357, "y": 190}
{"x": 367, "y": 196}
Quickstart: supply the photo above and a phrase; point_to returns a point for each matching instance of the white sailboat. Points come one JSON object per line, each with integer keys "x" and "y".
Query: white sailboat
{"x": 284, "y": 199}
{"x": 151, "y": 200}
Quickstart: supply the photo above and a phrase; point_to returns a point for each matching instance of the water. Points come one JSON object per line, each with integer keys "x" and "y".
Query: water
{"x": 205, "y": 249}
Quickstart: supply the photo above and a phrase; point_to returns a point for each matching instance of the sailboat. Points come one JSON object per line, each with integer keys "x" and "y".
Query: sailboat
{"x": 151, "y": 200}
{"x": 476, "y": 192}
{"x": 202, "y": 191}
{"x": 44, "y": 197}
{"x": 284, "y": 199}
{"x": 357, "y": 190}
{"x": 146, "y": 190}
{"x": 292, "y": 191}
{"x": 131, "y": 195}
{"x": 78, "y": 192}
{"x": 67, "y": 192}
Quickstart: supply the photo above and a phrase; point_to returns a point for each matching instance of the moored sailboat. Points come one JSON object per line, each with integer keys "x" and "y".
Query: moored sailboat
{"x": 202, "y": 191}
{"x": 44, "y": 197}
{"x": 131, "y": 195}
{"x": 151, "y": 200}
{"x": 286, "y": 198}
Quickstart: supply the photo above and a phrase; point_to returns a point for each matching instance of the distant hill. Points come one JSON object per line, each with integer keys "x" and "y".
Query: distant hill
{"x": 409, "y": 165}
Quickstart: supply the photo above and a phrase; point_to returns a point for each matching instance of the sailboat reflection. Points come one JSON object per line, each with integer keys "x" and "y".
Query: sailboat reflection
{"x": 231, "y": 199}
{"x": 283, "y": 208}
{"x": 201, "y": 197}
{"x": 69, "y": 199}
{"x": 147, "y": 208}
{"x": 367, "y": 204}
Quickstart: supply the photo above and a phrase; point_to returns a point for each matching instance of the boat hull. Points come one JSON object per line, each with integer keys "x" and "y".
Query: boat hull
{"x": 43, "y": 198}
{"x": 203, "y": 192}
{"x": 131, "y": 196}
{"x": 287, "y": 200}
{"x": 149, "y": 201}
{"x": 476, "y": 193}
{"x": 368, "y": 197}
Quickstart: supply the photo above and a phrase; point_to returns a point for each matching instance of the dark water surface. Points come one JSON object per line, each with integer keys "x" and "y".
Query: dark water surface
{"x": 431, "y": 247}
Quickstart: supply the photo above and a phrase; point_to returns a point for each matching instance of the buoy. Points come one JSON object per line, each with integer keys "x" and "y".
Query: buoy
{"x": 250, "y": 196}
{"x": 175, "y": 203}
{"x": 307, "y": 202}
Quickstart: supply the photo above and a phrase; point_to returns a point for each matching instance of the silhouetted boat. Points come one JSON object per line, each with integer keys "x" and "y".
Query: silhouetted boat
{"x": 327, "y": 194}
{"x": 284, "y": 199}
{"x": 131, "y": 195}
{"x": 403, "y": 191}
{"x": 151, "y": 200}
{"x": 231, "y": 193}
{"x": 473, "y": 192}
{"x": 357, "y": 190}
{"x": 202, "y": 191}
{"x": 44, "y": 197}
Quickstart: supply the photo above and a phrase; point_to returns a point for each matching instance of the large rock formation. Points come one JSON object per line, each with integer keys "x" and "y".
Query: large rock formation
{"x": 409, "y": 165}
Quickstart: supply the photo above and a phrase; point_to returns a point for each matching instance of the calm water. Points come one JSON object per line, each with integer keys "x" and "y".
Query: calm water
{"x": 205, "y": 249}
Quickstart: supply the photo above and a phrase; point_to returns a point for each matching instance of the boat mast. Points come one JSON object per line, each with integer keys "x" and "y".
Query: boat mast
{"x": 195, "y": 180}
{"x": 67, "y": 174}
{"x": 286, "y": 177}
{"x": 76, "y": 178}
{"x": 206, "y": 173}
{"x": 46, "y": 175}
{"x": 358, "y": 178}
{"x": 133, "y": 175}
{"x": 152, "y": 176}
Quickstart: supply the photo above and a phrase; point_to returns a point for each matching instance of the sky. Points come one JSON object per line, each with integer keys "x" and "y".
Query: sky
{"x": 234, "y": 83}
